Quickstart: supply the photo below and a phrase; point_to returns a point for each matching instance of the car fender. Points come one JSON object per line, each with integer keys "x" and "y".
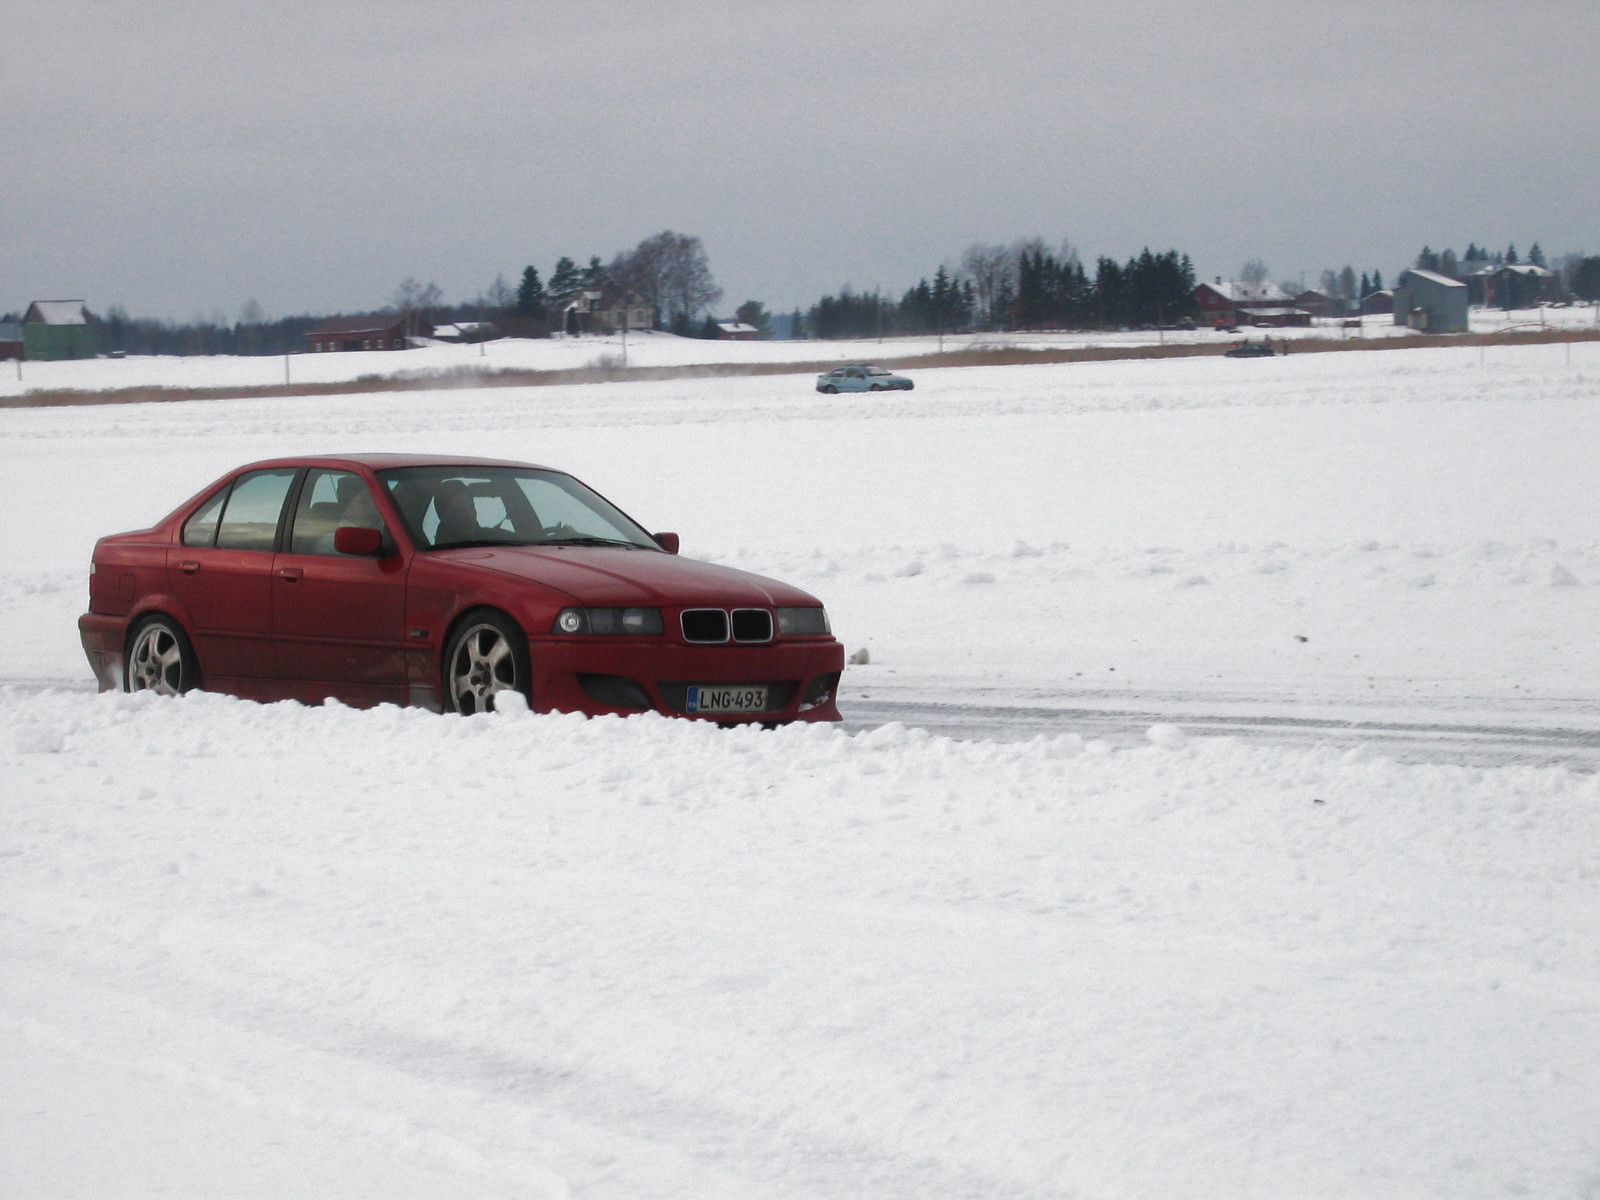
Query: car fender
{"x": 438, "y": 595}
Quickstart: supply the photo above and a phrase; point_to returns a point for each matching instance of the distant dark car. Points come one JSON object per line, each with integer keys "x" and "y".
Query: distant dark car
{"x": 862, "y": 377}
{"x": 443, "y": 583}
{"x": 1251, "y": 350}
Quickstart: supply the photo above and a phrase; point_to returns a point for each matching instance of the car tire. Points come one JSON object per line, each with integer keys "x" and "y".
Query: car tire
{"x": 486, "y": 654}
{"x": 877, "y": 387}
{"x": 160, "y": 658}
{"x": 831, "y": 390}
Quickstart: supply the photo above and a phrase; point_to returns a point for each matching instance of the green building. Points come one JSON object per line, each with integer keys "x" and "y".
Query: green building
{"x": 57, "y": 329}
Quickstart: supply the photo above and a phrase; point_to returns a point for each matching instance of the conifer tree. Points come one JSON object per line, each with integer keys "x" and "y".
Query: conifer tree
{"x": 530, "y": 294}
{"x": 564, "y": 282}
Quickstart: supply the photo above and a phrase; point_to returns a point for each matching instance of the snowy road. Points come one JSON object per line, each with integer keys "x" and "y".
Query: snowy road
{"x": 1545, "y": 733}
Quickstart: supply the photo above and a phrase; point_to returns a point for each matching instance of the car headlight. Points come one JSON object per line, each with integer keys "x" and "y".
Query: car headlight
{"x": 608, "y": 621}
{"x": 803, "y": 620}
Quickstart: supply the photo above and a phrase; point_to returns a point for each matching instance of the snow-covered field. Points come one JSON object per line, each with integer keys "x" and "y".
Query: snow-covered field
{"x": 458, "y": 363}
{"x": 269, "y": 950}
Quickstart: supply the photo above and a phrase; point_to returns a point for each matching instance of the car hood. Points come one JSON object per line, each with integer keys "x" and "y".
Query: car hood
{"x": 597, "y": 575}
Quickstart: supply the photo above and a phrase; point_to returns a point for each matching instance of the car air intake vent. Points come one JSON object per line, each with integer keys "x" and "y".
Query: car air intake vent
{"x": 752, "y": 625}
{"x": 705, "y": 625}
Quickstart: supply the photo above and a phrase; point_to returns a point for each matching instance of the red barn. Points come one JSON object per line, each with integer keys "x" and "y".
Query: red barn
{"x": 380, "y": 331}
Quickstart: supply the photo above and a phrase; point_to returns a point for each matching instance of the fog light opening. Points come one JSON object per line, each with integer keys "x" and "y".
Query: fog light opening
{"x": 820, "y": 691}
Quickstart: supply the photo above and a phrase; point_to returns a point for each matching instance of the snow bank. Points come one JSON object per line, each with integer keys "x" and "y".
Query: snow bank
{"x": 546, "y": 956}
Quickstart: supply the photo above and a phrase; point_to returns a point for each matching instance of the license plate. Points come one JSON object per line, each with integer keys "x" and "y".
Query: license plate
{"x": 727, "y": 699}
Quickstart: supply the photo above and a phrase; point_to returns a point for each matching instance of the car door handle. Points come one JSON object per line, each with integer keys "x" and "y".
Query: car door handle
{"x": 189, "y": 568}
{"x": 290, "y": 574}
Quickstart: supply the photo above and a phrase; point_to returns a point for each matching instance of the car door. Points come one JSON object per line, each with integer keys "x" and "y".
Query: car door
{"x": 221, "y": 570}
{"x": 338, "y": 619}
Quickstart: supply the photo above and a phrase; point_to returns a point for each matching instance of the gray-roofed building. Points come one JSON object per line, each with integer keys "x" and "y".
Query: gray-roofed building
{"x": 58, "y": 329}
{"x": 10, "y": 340}
{"x": 1518, "y": 285}
{"x": 1430, "y": 302}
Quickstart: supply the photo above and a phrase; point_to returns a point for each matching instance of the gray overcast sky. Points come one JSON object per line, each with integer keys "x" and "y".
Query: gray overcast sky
{"x": 179, "y": 159}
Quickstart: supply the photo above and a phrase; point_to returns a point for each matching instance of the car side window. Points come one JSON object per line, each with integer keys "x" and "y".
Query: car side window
{"x": 250, "y": 520}
{"x": 330, "y": 499}
{"x": 201, "y": 529}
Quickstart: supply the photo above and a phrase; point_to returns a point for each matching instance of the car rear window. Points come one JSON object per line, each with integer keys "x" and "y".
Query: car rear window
{"x": 250, "y": 520}
{"x": 201, "y": 529}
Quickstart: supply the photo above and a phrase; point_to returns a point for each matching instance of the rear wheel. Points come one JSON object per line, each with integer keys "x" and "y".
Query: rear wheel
{"x": 487, "y": 654}
{"x": 160, "y": 659}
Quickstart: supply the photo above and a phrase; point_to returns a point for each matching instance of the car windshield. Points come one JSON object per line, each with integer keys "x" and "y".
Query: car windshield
{"x": 877, "y": 371}
{"x": 453, "y": 506}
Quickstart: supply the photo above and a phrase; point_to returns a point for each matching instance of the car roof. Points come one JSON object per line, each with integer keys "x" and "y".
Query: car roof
{"x": 384, "y": 461}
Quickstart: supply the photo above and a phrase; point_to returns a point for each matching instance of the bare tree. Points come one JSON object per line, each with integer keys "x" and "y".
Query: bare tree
{"x": 690, "y": 287}
{"x": 413, "y": 297}
{"x": 670, "y": 271}
{"x": 1255, "y": 272}
{"x": 991, "y": 269}
{"x": 500, "y": 295}
{"x": 644, "y": 270}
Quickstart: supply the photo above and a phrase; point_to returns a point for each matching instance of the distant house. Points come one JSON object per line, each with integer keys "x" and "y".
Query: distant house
{"x": 1378, "y": 302}
{"x": 1517, "y": 285}
{"x": 377, "y": 331}
{"x": 1320, "y": 304}
{"x": 737, "y": 331}
{"x": 466, "y": 331}
{"x": 58, "y": 329}
{"x": 10, "y": 340}
{"x": 606, "y": 309}
{"x": 1431, "y": 302}
{"x": 1232, "y": 302}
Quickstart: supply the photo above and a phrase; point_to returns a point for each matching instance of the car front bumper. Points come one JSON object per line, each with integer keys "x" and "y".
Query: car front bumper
{"x": 620, "y": 675}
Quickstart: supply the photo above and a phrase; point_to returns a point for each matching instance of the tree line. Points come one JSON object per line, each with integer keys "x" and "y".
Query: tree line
{"x": 1023, "y": 286}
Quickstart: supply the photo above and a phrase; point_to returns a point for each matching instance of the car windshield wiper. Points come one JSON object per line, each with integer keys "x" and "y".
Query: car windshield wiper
{"x": 593, "y": 541}
{"x": 478, "y": 543}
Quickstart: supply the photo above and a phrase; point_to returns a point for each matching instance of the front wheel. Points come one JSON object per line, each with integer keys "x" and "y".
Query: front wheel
{"x": 488, "y": 654}
{"x": 829, "y": 390}
{"x": 160, "y": 659}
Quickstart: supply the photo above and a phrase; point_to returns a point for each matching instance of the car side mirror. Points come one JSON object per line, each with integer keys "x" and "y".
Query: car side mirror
{"x": 353, "y": 539}
{"x": 667, "y": 541}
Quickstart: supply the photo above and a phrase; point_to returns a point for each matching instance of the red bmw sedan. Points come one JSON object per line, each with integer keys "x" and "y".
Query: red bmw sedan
{"x": 442, "y": 583}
